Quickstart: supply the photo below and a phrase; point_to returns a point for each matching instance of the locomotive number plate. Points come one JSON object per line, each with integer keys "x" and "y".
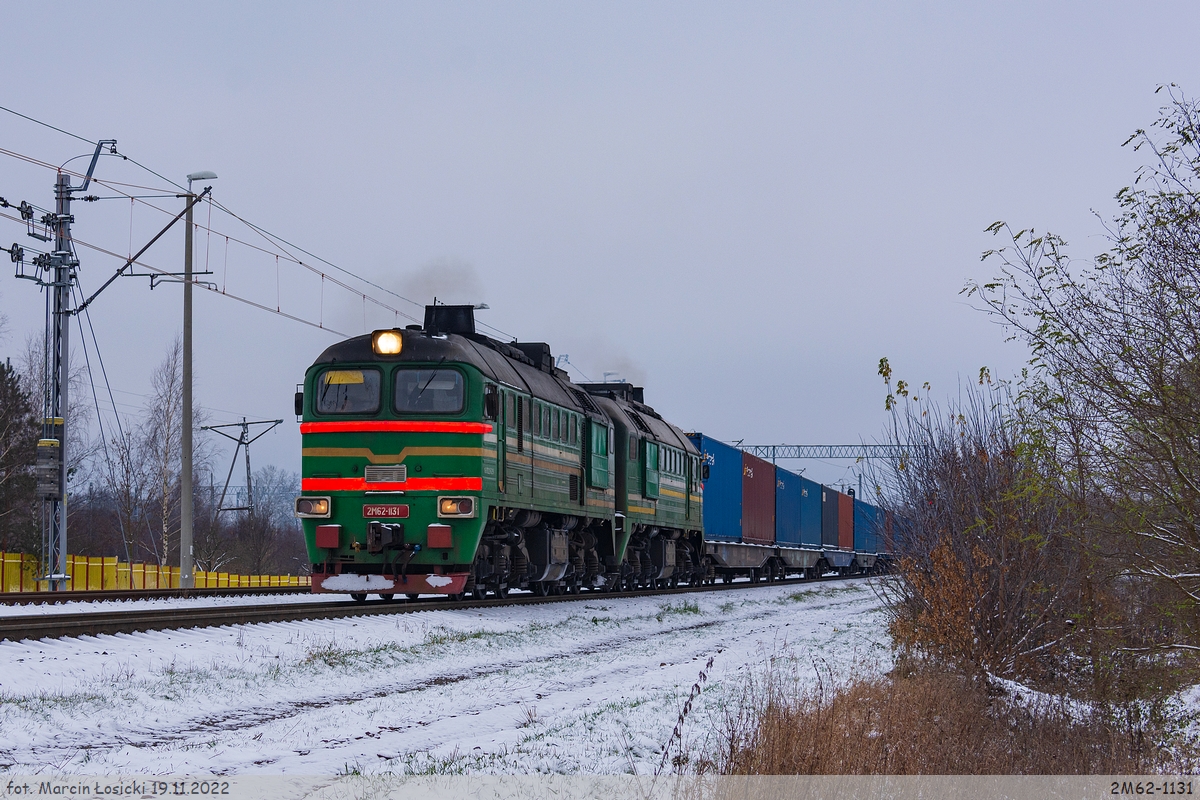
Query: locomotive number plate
{"x": 385, "y": 512}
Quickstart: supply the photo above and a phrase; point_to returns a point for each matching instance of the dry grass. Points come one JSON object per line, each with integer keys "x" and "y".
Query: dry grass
{"x": 926, "y": 722}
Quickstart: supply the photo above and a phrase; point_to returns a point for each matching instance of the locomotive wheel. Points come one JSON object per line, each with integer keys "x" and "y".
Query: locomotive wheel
{"x": 479, "y": 592}
{"x": 358, "y": 597}
{"x": 538, "y": 588}
{"x": 500, "y": 590}
{"x": 387, "y": 598}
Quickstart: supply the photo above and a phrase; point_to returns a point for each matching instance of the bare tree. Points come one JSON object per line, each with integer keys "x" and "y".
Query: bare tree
{"x": 163, "y": 437}
{"x": 988, "y": 574}
{"x": 34, "y": 373}
{"x": 213, "y": 538}
{"x": 267, "y": 538}
{"x": 140, "y": 466}
{"x": 1115, "y": 376}
{"x": 19, "y": 431}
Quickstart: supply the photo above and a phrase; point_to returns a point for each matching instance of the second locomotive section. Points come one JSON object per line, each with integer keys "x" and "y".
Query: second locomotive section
{"x": 438, "y": 460}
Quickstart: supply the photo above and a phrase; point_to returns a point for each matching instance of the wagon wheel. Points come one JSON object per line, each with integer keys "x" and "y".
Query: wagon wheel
{"x": 388, "y": 597}
{"x": 358, "y": 597}
{"x": 411, "y": 596}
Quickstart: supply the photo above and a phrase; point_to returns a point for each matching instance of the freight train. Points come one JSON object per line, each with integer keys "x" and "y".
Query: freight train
{"x": 437, "y": 460}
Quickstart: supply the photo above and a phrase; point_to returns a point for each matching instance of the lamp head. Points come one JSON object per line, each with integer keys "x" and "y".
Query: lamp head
{"x": 203, "y": 175}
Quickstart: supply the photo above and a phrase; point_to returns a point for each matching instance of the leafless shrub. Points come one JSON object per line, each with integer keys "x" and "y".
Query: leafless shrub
{"x": 929, "y": 722}
{"x": 987, "y": 574}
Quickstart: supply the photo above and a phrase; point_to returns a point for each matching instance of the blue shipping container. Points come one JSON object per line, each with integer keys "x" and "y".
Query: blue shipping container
{"x": 788, "y": 508}
{"x": 810, "y": 513}
{"x": 722, "y": 490}
{"x": 866, "y": 522}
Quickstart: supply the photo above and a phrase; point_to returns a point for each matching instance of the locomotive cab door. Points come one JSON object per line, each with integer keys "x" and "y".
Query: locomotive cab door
{"x": 687, "y": 487}
{"x": 597, "y": 454}
{"x": 504, "y": 423}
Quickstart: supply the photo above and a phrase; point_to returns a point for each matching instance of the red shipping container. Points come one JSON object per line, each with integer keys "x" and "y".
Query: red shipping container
{"x": 845, "y": 522}
{"x": 758, "y": 500}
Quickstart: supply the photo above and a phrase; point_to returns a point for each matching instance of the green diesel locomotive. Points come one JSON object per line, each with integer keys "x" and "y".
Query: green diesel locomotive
{"x": 439, "y": 460}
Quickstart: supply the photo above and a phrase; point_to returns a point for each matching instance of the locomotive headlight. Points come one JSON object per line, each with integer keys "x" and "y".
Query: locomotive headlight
{"x": 387, "y": 343}
{"x": 463, "y": 507}
{"x": 312, "y": 507}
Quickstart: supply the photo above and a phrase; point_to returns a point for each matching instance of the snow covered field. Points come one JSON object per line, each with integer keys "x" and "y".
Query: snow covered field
{"x": 591, "y": 686}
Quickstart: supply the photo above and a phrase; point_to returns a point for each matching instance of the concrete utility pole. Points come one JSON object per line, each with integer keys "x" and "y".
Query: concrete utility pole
{"x": 186, "y": 552}
{"x": 60, "y": 267}
{"x": 54, "y": 423}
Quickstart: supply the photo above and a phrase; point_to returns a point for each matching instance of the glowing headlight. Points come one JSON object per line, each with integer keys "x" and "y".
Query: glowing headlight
{"x": 456, "y": 506}
{"x": 387, "y": 343}
{"x": 312, "y": 507}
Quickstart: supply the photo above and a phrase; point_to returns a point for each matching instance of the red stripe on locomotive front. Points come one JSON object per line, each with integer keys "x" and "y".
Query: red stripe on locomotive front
{"x": 410, "y": 485}
{"x": 394, "y": 426}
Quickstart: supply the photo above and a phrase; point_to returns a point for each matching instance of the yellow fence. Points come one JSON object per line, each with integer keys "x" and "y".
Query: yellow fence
{"x": 19, "y": 572}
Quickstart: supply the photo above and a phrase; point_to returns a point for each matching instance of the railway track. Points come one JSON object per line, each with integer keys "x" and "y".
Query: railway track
{"x": 51, "y": 598}
{"x": 56, "y": 626}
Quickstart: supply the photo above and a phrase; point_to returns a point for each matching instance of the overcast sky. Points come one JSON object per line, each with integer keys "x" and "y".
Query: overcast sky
{"x": 740, "y": 206}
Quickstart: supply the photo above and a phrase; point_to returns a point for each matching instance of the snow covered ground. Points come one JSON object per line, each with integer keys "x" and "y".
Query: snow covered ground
{"x": 591, "y": 686}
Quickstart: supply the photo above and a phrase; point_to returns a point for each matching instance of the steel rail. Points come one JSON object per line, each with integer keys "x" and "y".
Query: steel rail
{"x": 56, "y": 626}
{"x": 52, "y": 598}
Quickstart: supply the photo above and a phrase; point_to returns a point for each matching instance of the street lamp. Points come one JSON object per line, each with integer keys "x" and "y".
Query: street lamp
{"x": 186, "y": 559}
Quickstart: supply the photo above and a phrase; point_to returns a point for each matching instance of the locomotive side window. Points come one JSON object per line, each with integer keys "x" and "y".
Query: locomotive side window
{"x": 546, "y": 421}
{"x": 557, "y": 426}
{"x": 348, "y": 391}
{"x": 510, "y": 418}
{"x": 574, "y": 430}
{"x": 428, "y": 391}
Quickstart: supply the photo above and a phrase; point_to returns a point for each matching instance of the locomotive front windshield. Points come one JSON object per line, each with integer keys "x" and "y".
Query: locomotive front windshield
{"x": 348, "y": 391}
{"x": 428, "y": 391}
